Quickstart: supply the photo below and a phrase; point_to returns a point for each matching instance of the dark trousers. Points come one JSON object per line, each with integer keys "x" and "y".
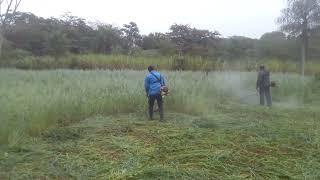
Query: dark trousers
{"x": 151, "y": 104}
{"x": 265, "y": 94}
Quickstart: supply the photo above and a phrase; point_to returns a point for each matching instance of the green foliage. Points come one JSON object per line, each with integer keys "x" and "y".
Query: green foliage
{"x": 132, "y": 37}
{"x": 56, "y": 44}
{"x": 192, "y": 40}
{"x": 10, "y": 55}
{"x": 166, "y": 47}
{"x": 276, "y": 45}
{"x": 152, "y": 41}
{"x": 237, "y": 47}
{"x": 108, "y": 39}
{"x": 71, "y": 34}
{"x": 300, "y": 16}
{"x": 299, "y": 19}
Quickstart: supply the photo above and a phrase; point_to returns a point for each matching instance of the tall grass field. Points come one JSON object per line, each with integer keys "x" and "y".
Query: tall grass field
{"x": 140, "y": 62}
{"x": 76, "y": 124}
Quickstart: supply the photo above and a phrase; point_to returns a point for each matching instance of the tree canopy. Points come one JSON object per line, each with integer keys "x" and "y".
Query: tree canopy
{"x": 299, "y": 19}
{"x": 28, "y": 33}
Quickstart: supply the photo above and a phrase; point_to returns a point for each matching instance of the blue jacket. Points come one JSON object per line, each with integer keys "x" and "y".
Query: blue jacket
{"x": 152, "y": 85}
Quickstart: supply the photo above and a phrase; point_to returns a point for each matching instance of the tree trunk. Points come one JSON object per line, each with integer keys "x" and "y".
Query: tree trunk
{"x": 303, "y": 55}
{"x": 304, "y": 45}
{"x": 1, "y": 43}
{"x": 2, "y": 40}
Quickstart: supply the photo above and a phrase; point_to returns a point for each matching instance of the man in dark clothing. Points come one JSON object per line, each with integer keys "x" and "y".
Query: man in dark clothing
{"x": 263, "y": 86}
{"x": 153, "y": 83}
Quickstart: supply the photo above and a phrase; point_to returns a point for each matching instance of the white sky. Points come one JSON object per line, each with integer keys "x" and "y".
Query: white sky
{"x": 249, "y": 18}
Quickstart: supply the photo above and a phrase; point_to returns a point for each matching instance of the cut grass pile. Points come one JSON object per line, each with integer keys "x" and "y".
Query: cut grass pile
{"x": 229, "y": 143}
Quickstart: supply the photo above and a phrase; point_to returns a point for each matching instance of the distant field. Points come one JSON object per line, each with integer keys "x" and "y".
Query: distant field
{"x": 140, "y": 62}
{"x": 85, "y": 124}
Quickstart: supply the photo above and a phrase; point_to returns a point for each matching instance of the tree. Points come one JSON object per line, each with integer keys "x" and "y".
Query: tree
{"x": 56, "y": 44}
{"x": 107, "y": 38}
{"x": 276, "y": 45}
{"x": 274, "y": 36}
{"x": 237, "y": 47}
{"x": 6, "y": 7}
{"x": 298, "y": 19}
{"x": 52, "y": 36}
{"x": 152, "y": 41}
{"x": 78, "y": 33}
{"x": 27, "y": 31}
{"x": 132, "y": 37}
{"x": 192, "y": 40}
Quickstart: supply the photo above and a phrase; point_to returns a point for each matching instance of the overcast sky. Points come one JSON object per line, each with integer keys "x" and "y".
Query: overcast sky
{"x": 249, "y": 18}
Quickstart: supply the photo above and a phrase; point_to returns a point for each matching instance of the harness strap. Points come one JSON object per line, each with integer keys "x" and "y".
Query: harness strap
{"x": 159, "y": 79}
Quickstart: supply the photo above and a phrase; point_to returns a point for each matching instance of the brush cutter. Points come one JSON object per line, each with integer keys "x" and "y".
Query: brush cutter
{"x": 272, "y": 84}
{"x": 249, "y": 95}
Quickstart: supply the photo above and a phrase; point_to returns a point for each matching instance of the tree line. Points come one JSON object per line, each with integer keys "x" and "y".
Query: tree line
{"x": 26, "y": 34}
{"x": 30, "y": 34}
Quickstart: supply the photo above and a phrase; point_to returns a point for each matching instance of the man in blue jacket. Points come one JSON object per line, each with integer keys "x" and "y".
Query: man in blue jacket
{"x": 153, "y": 83}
